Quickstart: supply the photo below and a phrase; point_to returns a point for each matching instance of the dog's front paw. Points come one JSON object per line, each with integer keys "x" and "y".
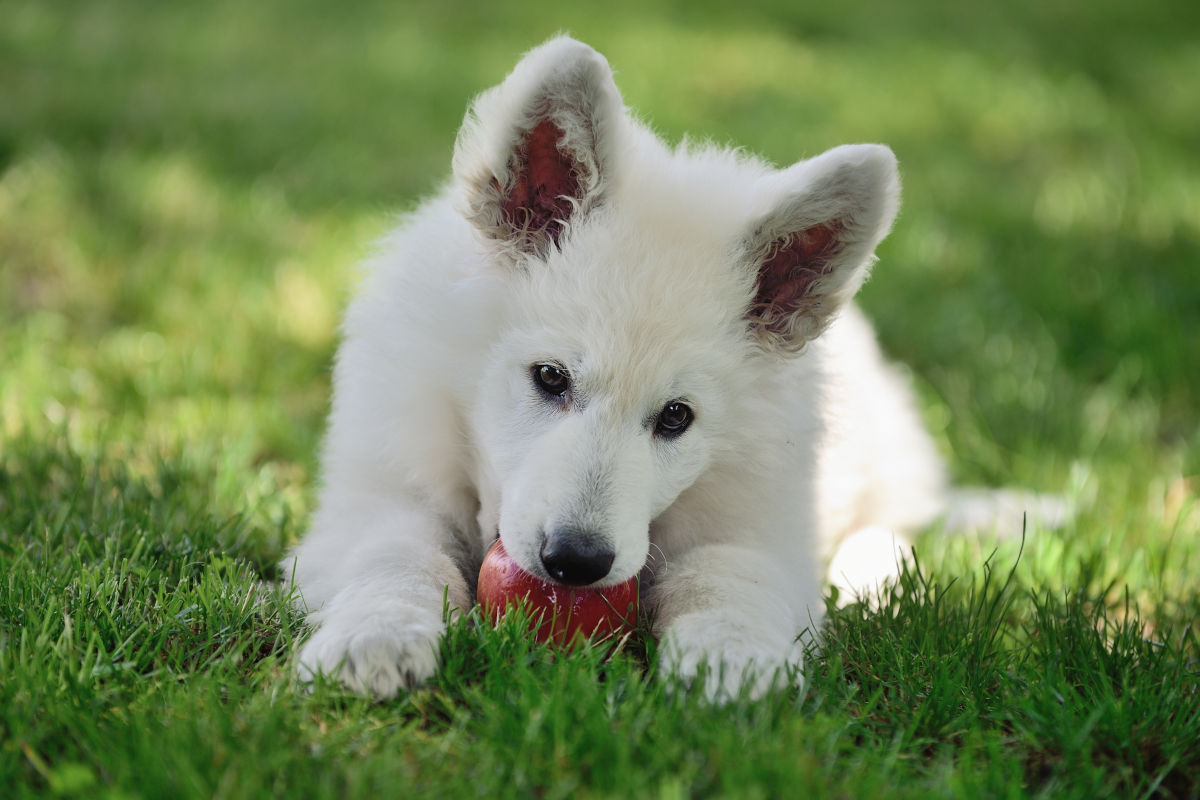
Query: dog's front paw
{"x": 725, "y": 661}
{"x": 378, "y": 653}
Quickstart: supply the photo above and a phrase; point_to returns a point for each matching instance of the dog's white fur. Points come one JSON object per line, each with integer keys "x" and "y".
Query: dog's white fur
{"x": 647, "y": 290}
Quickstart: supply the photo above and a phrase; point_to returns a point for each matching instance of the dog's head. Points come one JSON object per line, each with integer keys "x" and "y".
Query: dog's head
{"x": 650, "y": 292}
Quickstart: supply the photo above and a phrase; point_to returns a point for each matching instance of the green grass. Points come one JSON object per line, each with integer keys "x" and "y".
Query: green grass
{"x": 184, "y": 191}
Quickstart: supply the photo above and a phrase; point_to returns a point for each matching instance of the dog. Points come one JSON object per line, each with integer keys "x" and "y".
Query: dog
{"x": 621, "y": 359}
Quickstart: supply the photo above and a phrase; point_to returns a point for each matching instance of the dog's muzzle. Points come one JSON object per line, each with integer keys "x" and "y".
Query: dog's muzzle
{"x": 576, "y": 557}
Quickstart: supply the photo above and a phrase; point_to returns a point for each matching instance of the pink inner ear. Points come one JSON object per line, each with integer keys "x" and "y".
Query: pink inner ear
{"x": 543, "y": 180}
{"x": 792, "y": 266}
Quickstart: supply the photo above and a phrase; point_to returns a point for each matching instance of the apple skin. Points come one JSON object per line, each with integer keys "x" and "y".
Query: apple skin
{"x": 565, "y": 611}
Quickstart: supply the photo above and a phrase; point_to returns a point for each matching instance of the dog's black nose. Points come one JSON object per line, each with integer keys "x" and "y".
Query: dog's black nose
{"x": 576, "y": 558}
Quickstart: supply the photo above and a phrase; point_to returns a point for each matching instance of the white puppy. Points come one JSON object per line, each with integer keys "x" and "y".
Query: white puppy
{"x": 620, "y": 358}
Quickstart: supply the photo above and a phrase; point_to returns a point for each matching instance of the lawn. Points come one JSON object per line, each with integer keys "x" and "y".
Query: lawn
{"x": 184, "y": 192}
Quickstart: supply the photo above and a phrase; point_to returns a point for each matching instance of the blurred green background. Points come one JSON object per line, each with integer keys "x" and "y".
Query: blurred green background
{"x": 185, "y": 189}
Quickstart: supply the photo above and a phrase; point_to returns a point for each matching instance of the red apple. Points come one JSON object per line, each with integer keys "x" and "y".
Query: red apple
{"x": 564, "y": 611}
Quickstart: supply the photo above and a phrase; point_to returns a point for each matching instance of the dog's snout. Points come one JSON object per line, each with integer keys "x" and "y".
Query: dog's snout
{"x": 576, "y": 557}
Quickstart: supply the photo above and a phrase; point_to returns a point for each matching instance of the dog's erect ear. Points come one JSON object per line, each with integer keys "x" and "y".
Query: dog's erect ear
{"x": 813, "y": 249}
{"x": 534, "y": 153}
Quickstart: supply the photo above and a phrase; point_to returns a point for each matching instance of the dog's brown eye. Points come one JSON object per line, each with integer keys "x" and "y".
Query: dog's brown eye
{"x": 552, "y": 380}
{"x": 674, "y": 419}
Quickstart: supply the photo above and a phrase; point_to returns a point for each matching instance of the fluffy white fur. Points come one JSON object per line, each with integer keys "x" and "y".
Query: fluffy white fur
{"x": 648, "y": 292}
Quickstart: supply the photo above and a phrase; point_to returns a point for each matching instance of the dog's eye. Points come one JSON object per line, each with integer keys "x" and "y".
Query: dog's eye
{"x": 552, "y": 380}
{"x": 674, "y": 419}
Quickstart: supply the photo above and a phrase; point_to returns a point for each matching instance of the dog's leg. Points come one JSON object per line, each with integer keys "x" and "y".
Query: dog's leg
{"x": 729, "y": 619}
{"x": 376, "y": 580}
{"x": 866, "y": 562}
